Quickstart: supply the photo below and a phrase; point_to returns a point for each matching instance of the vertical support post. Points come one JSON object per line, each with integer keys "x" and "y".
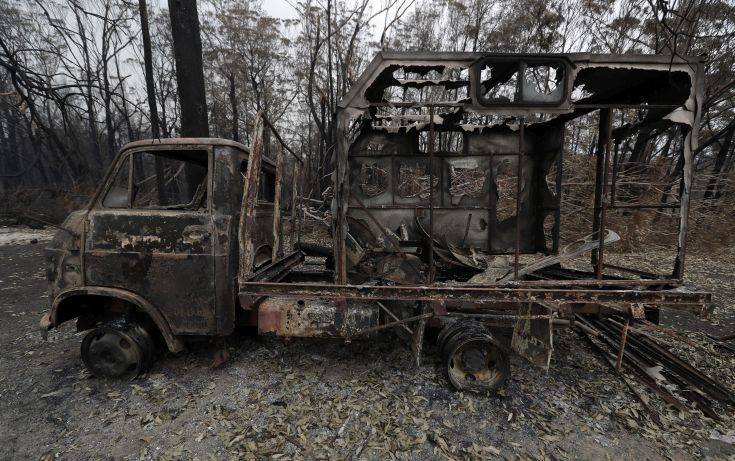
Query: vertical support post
{"x": 605, "y": 203}
{"x": 492, "y": 205}
{"x": 339, "y": 203}
{"x": 277, "y": 240}
{"x": 417, "y": 340}
{"x": 519, "y": 188}
{"x": 466, "y": 230}
{"x": 613, "y": 188}
{"x": 689, "y": 146}
{"x": 603, "y": 135}
{"x": 249, "y": 201}
{"x": 685, "y": 188}
{"x": 432, "y": 270}
{"x": 295, "y": 202}
{"x": 558, "y": 189}
{"x": 417, "y": 343}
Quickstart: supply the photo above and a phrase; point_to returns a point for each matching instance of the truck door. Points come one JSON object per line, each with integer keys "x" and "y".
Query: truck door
{"x": 150, "y": 233}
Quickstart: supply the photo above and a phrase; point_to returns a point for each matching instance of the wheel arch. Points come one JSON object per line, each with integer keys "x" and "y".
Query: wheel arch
{"x": 69, "y": 305}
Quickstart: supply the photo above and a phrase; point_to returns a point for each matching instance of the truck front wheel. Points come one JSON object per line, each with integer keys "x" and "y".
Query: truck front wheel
{"x": 117, "y": 349}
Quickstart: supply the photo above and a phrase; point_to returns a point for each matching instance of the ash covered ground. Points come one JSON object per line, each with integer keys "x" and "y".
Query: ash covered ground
{"x": 327, "y": 399}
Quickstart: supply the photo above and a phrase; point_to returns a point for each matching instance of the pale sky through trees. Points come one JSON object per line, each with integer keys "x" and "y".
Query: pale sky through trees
{"x": 295, "y": 59}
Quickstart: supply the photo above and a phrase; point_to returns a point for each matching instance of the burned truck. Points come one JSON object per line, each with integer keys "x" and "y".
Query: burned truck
{"x": 446, "y": 215}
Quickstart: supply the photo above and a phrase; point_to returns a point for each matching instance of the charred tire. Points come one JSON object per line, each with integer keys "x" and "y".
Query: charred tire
{"x": 451, "y": 330}
{"x": 118, "y": 350}
{"x": 470, "y": 358}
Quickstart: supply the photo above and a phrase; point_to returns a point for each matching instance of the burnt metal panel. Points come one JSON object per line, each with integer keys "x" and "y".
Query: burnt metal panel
{"x": 165, "y": 256}
{"x": 485, "y": 296}
{"x": 285, "y": 316}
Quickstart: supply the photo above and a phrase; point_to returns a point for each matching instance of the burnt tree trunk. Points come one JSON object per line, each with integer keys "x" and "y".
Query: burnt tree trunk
{"x": 148, "y": 63}
{"x": 107, "y": 100}
{"x": 233, "y": 106}
{"x": 189, "y": 69}
{"x": 94, "y": 146}
{"x": 124, "y": 103}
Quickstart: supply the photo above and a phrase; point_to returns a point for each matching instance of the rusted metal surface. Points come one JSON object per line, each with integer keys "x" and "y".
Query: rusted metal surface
{"x": 587, "y": 332}
{"x": 273, "y": 272}
{"x": 533, "y": 334}
{"x": 402, "y": 322}
{"x": 640, "y": 354}
{"x": 295, "y": 203}
{"x": 621, "y": 349}
{"x": 395, "y": 124}
{"x": 472, "y": 358}
{"x": 112, "y": 253}
{"x": 249, "y": 201}
{"x": 432, "y": 267}
{"x": 519, "y": 202}
{"x": 339, "y": 204}
{"x": 417, "y": 339}
{"x": 285, "y": 316}
{"x": 691, "y": 301}
{"x": 277, "y": 229}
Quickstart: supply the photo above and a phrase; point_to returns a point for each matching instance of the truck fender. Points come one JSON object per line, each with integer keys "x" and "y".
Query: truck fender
{"x": 173, "y": 343}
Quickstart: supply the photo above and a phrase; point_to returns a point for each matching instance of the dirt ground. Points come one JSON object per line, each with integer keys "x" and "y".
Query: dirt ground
{"x": 316, "y": 399}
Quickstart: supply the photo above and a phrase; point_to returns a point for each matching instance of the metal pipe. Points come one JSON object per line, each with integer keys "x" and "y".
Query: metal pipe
{"x": 557, "y": 212}
{"x": 432, "y": 269}
{"x": 613, "y": 186}
{"x": 501, "y": 316}
{"x": 603, "y": 203}
{"x": 605, "y": 121}
{"x": 466, "y": 230}
{"x": 394, "y": 324}
{"x": 519, "y": 172}
{"x": 393, "y": 316}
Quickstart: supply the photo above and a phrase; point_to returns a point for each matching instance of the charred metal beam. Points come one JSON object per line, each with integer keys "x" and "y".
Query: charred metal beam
{"x": 249, "y": 201}
{"x": 397, "y": 323}
{"x": 556, "y": 231}
{"x": 690, "y": 301}
{"x": 273, "y": 272}
{"x": 340, "y": 201}
{"x": 587, "y": 333}
{"x": 684, "y": 370}
{"x": 633, "y": 364}
{"x": 295, "y": 203}
{"x": 277, "y": 229}
{"x": 519, "y": 184}
{"x": 604, "y": 138}
{"x": 432, "y": 267}
{"x": 636, "y": 355}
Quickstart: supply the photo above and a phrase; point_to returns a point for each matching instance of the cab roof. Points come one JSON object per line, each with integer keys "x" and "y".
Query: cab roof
{"x": 173, "y": 142}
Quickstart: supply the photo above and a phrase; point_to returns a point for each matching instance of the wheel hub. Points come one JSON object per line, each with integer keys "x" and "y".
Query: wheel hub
{"x": 117, "y": 350}
{"x": 471, "y": 359}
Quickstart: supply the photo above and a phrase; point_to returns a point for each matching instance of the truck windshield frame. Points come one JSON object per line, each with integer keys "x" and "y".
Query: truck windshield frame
{"x": 200, "y": 198}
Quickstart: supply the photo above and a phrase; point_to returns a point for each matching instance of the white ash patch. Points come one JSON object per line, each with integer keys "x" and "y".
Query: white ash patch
{"x": 21, "y": 235}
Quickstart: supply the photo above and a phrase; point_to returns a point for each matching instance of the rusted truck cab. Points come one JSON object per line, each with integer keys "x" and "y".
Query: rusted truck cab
{"x": 154, "y": 254}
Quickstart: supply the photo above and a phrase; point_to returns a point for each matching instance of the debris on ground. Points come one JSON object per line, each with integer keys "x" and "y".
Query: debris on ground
{"x": 309, "y": 398}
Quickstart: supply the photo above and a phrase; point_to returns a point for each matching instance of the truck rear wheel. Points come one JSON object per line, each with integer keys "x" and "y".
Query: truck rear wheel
{"x": 471, "y": 359}
{"x": 117, "y": 349}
